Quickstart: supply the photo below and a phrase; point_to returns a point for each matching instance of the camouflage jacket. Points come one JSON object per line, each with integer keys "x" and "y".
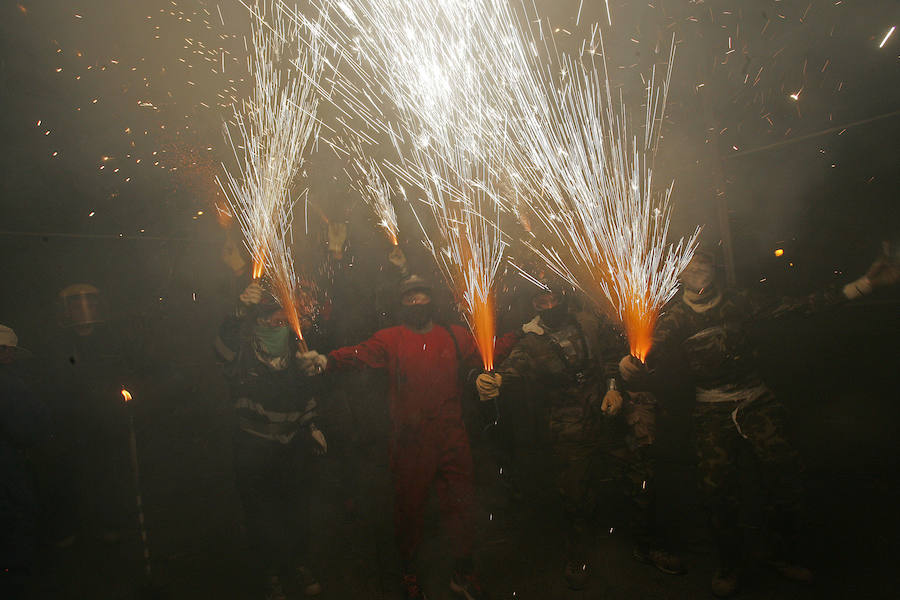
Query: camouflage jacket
{"x": 715, "y": 343}
{"x": 569, "y": 364}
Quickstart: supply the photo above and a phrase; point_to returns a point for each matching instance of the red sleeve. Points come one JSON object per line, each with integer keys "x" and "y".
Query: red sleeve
{"x": 373, "y": 353}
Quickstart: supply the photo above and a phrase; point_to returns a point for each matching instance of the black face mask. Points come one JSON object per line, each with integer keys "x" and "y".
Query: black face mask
{"x": 555, "y": 317}
{"x": 416, "y": 316}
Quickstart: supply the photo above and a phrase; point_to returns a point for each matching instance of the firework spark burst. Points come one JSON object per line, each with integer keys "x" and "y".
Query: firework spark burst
{"x": 371, "y": 183}
{"x": 273, "y": 132}
{"x": 432, "y": 66}
{"x": 597, "y": 201}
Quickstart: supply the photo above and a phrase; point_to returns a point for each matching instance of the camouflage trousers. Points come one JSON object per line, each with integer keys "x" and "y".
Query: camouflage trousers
{"x": 601, "y": 457}
{"x": 721, "y": 436}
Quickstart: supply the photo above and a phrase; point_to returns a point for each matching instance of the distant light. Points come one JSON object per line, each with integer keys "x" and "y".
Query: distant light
{"x": 199, "y": 212}
{"x": 91, "y": 214}
{"x": 779, "y": 251}
{"x": 887, "y": 37}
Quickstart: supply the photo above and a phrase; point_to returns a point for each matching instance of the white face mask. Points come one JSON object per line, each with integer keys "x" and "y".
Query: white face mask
{"x": 698, "y": 280}
{"x": 698, "y": 277}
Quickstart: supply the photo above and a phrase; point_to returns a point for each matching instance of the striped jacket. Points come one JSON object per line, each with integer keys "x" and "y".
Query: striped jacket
{"x": 269, "y": 403}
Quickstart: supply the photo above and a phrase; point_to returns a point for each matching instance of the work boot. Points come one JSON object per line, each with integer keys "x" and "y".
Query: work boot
{"x": 791, "y": 571}
{"x": 412, "y": 588}
{"x": 664, "y": 561}
{"x": 577, "y": 574}
{"x": 725, "y": 582}
{"x": 467, "y": 586}
{"x": 274, "y": 588}
{"x": 307, "y": 582}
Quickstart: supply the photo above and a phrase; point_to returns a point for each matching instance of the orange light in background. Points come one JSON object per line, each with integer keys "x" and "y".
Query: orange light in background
{"x": 779, "y": 251}
{"x": 126, "y": 395}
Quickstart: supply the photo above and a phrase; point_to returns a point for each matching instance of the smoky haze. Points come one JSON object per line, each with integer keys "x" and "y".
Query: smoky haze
{"x": 781, "y": 134}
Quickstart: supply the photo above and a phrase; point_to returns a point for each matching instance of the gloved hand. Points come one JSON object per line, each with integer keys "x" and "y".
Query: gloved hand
{"x": 337, "y": 237}
{"x": 252, "y": 294}
{"x": 612, "y": 403}
{"x": 631, "y": 369}
{"x": 883, "y": 272}
{"x": 311, "y": 363}
{"x": 321, "y": 446}
{"x": 488, "y": 386}
{"x": 398, "y": 259}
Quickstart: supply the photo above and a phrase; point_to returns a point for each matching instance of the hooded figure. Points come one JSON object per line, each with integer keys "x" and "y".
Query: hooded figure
{"x": 429, "y": 443}
{"x": 735, "y": 410}
{"x": 275, "y": 441}
{"x": 600, "y": 432}
{"x": 24, "y": 425}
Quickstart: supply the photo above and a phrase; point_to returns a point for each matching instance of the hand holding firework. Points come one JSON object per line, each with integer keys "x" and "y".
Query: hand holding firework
{"x": 488, "y": 386}
{"x": 632, "y": 369}
{"x": 612, "y": 403}
{"x": 252, "y": 294}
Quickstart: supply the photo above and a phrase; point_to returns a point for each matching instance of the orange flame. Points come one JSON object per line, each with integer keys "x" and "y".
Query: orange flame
{"x": 259, "y": 263}
{"x": 392, "y": 236}
{"x": 639, "y": 321}
{"x": 284, "y": 293}
{"x": 484, "y": 328}
{"x": 126, "y": 395}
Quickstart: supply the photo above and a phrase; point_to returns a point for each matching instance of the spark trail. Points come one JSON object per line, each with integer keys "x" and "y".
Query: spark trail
{"x": 275, "y": 129}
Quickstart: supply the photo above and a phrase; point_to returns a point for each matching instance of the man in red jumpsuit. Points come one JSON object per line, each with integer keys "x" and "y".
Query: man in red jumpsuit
{"x": 429, "y": 443}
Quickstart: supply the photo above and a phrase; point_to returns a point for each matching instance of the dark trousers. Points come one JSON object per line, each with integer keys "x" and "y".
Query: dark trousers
{"x": 719, "y": 443}
{"x": 601, "y": 457}
{"x": 273, "y": 481}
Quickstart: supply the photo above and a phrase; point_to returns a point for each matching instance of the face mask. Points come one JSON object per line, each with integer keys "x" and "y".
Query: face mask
{"x": 417, "y": 316}
{"x": 273, "y": 340}
{"x": 555, "y": 317}
{"x": 698, "y": 277}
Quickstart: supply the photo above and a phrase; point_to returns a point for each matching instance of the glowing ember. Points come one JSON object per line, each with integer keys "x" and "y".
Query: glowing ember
{"x": 126, "y": 395}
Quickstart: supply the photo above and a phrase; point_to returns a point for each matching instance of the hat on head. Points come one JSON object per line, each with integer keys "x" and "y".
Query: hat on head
{"x": 9, "y": 338}
{"x": 414, "y": 283}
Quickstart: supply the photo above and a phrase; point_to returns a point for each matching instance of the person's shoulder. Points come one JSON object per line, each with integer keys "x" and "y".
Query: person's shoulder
{"x": 393, "y": 332}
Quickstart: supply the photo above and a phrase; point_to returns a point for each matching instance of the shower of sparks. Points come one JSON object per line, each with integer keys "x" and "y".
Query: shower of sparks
{"x": 608, "y": 224}
{"x": 274, "y": 131}
{"x": 433, "y": 67}
{"x": 370, "y": 182}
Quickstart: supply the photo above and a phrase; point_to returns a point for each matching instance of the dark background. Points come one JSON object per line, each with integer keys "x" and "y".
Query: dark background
{"x": 737, "y": 144}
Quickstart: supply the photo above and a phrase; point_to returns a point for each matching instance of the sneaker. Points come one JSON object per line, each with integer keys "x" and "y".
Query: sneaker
{"x": 307, "y": 582}
{"x": 412, "y": 588}
{"x": 274, "y": 588}
{"x": 791, "y": 571}
{"x": 725, "y": 583}
{"x": 467, "y": 586}
{"x": 664, "y": 561}
{"x": 577, "y": 574}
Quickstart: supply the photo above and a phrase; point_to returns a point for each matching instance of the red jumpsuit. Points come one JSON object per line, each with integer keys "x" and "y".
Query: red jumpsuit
{"x": 429, "y": 442}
